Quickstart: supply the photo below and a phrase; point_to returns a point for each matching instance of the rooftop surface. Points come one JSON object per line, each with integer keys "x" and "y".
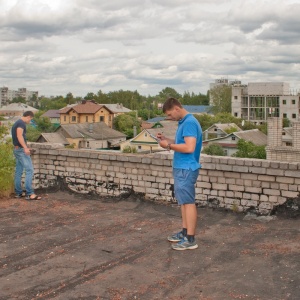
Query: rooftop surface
{"x": 69, "y": 246}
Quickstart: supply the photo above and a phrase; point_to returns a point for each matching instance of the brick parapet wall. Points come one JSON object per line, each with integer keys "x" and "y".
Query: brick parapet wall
{"x": 283, "y": 153}
{"x": 233, "y": 183}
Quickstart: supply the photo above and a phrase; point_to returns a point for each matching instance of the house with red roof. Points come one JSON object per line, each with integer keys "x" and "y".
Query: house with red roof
{"x": 86, "y": 112}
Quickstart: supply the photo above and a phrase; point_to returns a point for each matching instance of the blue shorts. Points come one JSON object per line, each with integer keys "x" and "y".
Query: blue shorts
{"x": 184, "y": 185}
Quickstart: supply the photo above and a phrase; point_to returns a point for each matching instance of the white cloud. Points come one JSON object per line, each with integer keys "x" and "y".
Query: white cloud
{"x": 83, "y": 46}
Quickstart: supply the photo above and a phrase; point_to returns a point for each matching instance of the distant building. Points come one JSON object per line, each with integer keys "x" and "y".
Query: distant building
{"x": 230, "y": 141}
{"x": 143, "y": 142}
{"x": 86, "y": 112}
{"x": 16, "y": 109}
{"x": 52, "y": 138}
{"x": 260, "y": 100}
{"x": 223, "y": 82}
{"x": 53, "y": 115}
{"x": 88, "y": 135}
{"x": 219, "y": 130}
{"x": 117, "y": 109}
{"x": 7, "y": 95}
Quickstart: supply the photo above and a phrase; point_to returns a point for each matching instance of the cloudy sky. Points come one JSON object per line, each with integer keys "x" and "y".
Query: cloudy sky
{"x": 81, "y": 46}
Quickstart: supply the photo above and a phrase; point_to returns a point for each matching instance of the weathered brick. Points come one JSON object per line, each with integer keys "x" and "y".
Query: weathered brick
{"x": 289, "y": 180}
{"x": 239, "y": 188}
{"x": 249, "y": 203}
{"x": 219, "y": 186}
{"x": 289, "y": 194}
{"x": 255, "y": 190}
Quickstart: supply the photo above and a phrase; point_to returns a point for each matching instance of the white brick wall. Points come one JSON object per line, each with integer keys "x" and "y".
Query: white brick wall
{"x": 260, "y": 184}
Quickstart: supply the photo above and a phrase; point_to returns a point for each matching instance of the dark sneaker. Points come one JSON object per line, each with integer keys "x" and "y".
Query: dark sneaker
{"x": 20, "y": 195}
{"x": 176, "y": 237}
{"x": 184, "y": 244}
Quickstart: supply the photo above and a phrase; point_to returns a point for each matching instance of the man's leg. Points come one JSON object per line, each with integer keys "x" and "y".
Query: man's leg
{"x": 23, "y": 163}
{"x": 29, "y": 174}
{"x": 183, "y": 216}
{"x": 189, "y": 219}
{"x": 18, "y": 173}
{"x": 190, "y": 216}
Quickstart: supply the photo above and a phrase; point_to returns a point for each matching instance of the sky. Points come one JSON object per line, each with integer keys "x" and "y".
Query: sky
{"x": 82, "y": 46}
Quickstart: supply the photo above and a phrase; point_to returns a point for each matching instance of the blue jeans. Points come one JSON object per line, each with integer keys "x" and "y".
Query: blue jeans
{"x": 23, "y": 162}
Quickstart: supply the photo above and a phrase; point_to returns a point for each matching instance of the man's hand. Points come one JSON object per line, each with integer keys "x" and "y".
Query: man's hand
{"x": 27, "y": 151}
{"x": 164, "y": 143}
{"x": 160, "y": 136}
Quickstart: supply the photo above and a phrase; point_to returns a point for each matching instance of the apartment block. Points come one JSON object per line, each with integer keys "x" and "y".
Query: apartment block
{"x": 258, "y": 101}
{"x": 222, "y": 82}
{"x": 7, "y": 95}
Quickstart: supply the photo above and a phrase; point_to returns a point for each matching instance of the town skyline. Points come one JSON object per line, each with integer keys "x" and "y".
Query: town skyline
{"x": 80, "y": 46}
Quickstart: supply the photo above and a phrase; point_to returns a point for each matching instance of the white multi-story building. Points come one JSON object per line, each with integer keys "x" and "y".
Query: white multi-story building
{"x": 221, "y": 82}
{"x": 7, "y": 95}
{"x": 260, "y": 100}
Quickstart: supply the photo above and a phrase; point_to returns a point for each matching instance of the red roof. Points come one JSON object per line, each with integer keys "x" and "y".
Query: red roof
{"x": 87, "y": 107}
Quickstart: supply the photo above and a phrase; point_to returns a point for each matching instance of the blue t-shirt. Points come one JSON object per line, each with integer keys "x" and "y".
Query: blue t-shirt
{"x": 188, "y": 127}
{"x": 18, "y": 124}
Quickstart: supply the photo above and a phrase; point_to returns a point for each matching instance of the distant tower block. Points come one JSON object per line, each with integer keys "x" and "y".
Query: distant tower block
{"x": 274, "y": 132}
{"x": 296, "y": 135}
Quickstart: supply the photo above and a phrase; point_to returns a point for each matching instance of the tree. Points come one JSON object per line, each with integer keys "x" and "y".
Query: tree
{"x": 214, "y": 149}
{"x": 247, "y": 149}
{"x": 207, "y": 120}
{"x": 90, "y": 96}
{"x": 193, "y": 99}
{"x": 32, "y": 133}
{"x": 70, "y": 98}
{"x": 43, "y": 124}
{"x": 221, "y": 98}
{"x": 19, "y": 100}
{"x": 126, "y": 122}
{"x": 169, "y": 92}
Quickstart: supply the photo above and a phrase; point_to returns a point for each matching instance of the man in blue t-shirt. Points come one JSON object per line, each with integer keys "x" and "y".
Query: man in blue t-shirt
{"x": 187, "y": 147}
{"x": 23, "y": 159}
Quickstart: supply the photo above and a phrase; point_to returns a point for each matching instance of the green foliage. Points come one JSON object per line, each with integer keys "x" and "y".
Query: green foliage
{"x": 147, "y": 107}
{"x": 169, "y": 92}
{"x": 263, "y": 128}
{"x": 249, "y": 150}
{"x": 285, "y": 122}
{"x": 56, "y": 103}
{"x": 207, "y": 120}
{"x": 125, "y": 123}
{"x": 72, "y": 146}
{"x": 193, "y": 99}
{"x": 3, "y": 131}
{"x": 248, "y": 125}
{"x": 32, "y": 133}
{"x": 230, "y": 130}
{"x": 221, "y": 98}
{"x": 129, "y": 149}
{"x": 7, "y": 164}
{"x": 146, "y": 114}
{"x": 44, "y": 124}
{"x": 19, "y": 100}
{"x": 214, "y": 149}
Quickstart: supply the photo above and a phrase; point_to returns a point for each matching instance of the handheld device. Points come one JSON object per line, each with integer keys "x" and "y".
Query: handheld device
{"x": 154, "y": 137}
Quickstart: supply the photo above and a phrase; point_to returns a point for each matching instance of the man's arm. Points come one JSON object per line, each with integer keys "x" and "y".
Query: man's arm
{"x": 164, "y": 138}
{"x": 188, "y": 146}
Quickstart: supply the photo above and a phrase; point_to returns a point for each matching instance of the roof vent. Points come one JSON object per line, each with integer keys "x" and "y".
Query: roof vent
{"x": 91, "y": 128}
